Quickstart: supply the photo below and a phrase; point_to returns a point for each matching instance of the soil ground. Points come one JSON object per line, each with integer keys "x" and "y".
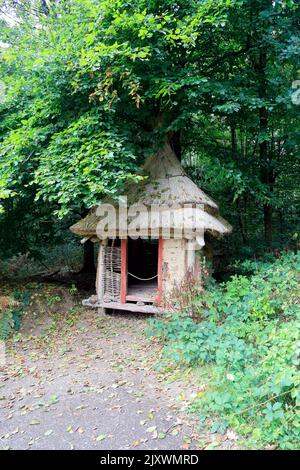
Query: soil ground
{"x": 75, "y": 380}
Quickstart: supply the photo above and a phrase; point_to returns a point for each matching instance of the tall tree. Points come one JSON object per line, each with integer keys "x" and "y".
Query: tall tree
{"x": 90, "y": 97}
{"x": 92, "y": 86}
{"x": 254, "y": 61}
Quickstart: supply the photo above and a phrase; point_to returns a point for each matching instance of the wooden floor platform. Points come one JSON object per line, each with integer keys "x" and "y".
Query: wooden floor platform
{"x": 146, "y": 292}
{"x": 132, "y": 307}
{"x": 129, "y": 307}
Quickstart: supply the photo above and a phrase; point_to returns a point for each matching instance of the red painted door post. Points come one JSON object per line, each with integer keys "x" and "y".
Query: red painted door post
{"x": 123, "y": 271}
{"x": 159, "y": 272}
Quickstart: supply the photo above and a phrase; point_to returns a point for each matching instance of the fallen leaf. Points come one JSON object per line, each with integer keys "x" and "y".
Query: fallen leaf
{"x": 232, "y": 435}
{"x": 185, "y": 446}
{"x": 151, "y": 429}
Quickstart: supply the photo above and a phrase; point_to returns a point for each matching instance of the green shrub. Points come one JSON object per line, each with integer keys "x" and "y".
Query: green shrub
{"x": 250, "y": 337}
{"x": 11, "y": 310}
{"x": 6, "y": 324}
{"x": 64, "y": 257}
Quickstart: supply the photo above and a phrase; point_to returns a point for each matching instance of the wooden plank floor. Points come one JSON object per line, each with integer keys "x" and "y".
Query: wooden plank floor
{"x": 131, "y": 307}
{"x": 93, "y": 302}
{"x": 144, "y": 292}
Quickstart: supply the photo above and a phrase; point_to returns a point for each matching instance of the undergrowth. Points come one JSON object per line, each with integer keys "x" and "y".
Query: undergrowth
{"x": 248, "y": 334}
{"x": 64, "y": 258}
{"x": 11, "y": 310}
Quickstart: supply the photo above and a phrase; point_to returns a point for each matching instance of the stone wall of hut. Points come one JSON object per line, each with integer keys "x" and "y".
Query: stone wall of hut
{"x": 174, "y": 264}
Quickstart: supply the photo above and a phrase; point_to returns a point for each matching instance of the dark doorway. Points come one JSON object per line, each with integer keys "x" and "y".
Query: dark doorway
{"x": 142, "y": 270}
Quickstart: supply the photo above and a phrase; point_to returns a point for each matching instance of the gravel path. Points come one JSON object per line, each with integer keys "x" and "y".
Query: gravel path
{"x": 92, "y": 385}
{"x": 80, "y": 381}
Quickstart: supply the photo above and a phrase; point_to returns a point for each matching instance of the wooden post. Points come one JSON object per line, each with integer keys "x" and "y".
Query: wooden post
{"x": 100, "y": 275}
{"x": 159, "y": 272}
{"x": 100, "y": 271}
{"x": 123, "y": 271}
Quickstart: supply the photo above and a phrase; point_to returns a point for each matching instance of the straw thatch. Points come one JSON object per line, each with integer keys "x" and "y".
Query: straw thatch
{"x": 166, "y": 186}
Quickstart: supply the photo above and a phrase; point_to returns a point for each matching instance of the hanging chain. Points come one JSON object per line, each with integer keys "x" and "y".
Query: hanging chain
{"x": 141, "y": 279}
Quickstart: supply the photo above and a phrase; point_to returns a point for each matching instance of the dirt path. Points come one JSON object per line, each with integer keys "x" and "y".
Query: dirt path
{"x": 84, "y": 382}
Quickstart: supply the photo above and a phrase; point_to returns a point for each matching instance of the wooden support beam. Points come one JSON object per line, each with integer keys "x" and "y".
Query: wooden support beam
{"x": 123, "y": 270}
{"x": 159, "y": 272}
{"x": 132, "y": 307}
{"x": 100, "y": 271}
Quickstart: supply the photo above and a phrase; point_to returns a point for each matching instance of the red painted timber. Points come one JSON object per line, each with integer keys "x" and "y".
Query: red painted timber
{"x": 123, "y": 271}
{"x": 159, "y": 272}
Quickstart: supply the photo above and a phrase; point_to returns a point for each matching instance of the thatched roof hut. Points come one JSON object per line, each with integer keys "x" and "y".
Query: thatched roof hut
{"x": 142, "y": 260}
{"x": 166, "y": 185}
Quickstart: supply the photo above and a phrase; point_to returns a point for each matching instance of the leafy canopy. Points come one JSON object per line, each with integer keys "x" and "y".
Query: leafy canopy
{"x": 86, "y": 85}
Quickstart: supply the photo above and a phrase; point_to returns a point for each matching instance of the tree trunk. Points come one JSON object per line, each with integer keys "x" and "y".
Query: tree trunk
{"x": 88, "y": 258}
{"x": 268, "y": 222}
{"x": 267, "y": 176}
{"x": 88, "y": 265}
{"x": 175, "y": 143}
{"x": 240, "y": 209}
{"x": 239, "y": 201}
{"x": 260, "y": 61}
{"x": 266, "y": 170}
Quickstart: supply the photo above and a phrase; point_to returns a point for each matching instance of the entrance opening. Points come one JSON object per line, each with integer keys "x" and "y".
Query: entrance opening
{"x": 142, "y": 280}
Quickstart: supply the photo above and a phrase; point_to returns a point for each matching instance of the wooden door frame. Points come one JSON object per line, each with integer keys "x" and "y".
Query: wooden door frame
{"x": 124, "y": 271}
{"x": 124, "y": 268}
{"x": 158, "y": 298}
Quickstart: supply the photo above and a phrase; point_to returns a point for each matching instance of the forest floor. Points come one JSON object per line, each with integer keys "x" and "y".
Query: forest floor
{"x": 75, "y": 380}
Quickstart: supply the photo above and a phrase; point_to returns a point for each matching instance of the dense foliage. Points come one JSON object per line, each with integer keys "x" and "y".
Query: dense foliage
{"x": 248, "y": 337}
{"x": 90, "y": 87}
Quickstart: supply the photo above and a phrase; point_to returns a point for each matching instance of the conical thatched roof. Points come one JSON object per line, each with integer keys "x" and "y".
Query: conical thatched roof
{"x": 166, "y": 185}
